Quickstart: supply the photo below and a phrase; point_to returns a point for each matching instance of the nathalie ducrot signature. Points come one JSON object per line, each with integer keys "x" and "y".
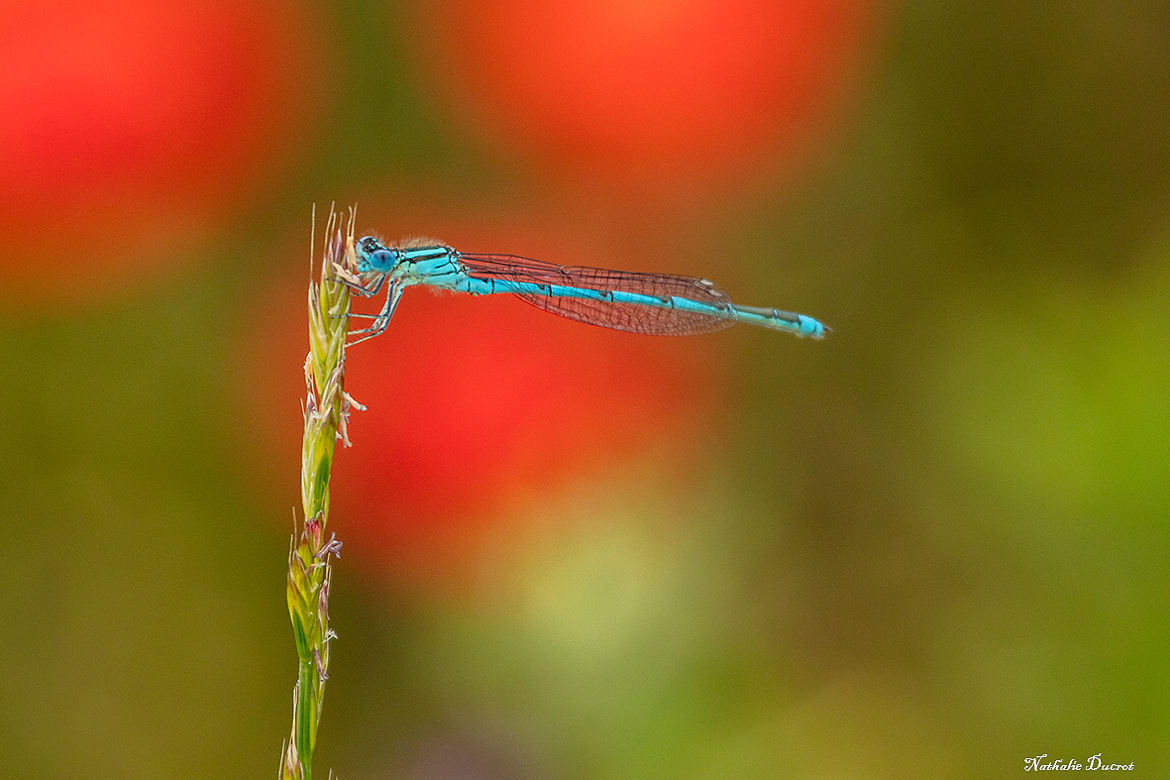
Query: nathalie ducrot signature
{"x": 1092, "y": 763}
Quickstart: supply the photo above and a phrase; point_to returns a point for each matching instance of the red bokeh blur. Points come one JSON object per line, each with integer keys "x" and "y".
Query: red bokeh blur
{"x": 664, "y": 94}
{"x": 127, "y": 126}
{"x": 477, "y": 405}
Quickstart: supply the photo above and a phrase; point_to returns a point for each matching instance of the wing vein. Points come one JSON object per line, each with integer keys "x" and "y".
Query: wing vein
{"x": 618, "y": 315}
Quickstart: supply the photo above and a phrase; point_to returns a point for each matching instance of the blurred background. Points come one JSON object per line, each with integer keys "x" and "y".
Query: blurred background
{"x": 932, "y": 545}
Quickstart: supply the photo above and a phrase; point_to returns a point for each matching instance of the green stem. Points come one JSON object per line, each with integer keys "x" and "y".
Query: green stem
{"x": 309, "y": 563}
{"x": 304, "y": 726}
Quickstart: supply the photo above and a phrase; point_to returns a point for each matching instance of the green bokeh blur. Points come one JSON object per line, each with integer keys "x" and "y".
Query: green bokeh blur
{"x": 933, "y": 545}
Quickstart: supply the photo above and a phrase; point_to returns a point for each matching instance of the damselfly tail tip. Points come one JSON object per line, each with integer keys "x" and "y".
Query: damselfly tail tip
{"x": 811, "y": 328}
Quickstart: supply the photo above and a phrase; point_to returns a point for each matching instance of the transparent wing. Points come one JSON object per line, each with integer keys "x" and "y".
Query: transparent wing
{"x": 632, "y": 317}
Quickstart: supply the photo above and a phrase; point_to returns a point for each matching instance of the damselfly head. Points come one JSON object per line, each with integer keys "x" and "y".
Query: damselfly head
{"x": 373, "y": 256}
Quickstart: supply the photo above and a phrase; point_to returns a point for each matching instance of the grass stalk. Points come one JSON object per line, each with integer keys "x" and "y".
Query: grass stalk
{"x": 326, "y": 412}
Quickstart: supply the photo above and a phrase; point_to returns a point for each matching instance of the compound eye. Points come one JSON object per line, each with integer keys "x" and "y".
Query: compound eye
{"x": 369, "y": 244}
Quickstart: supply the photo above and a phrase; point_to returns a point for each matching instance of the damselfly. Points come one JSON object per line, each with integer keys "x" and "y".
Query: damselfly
{"x": 623, "y": 300}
